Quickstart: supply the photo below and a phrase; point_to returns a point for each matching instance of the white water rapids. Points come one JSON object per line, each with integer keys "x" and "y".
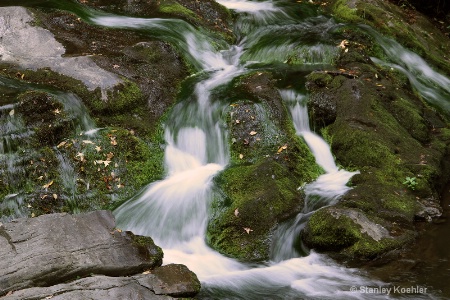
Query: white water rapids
{"x": 174, "y": 211}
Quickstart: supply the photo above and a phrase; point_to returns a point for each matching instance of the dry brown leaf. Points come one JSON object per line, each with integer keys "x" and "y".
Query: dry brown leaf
{"x": 109, "y": 156}
{"x": 247, "y": 229}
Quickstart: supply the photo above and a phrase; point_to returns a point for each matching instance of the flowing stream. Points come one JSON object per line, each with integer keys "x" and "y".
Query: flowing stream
{"x": 174, "y": 211}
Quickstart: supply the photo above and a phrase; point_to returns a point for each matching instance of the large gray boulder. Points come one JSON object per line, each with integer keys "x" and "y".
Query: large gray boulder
{"x": 49, "y": 254}
{"x": 160, "y": 284}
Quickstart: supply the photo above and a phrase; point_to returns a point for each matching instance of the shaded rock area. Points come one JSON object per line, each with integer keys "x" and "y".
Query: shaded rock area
{"x": 47, "y": 256}
{"x": 376, "y": 123}
{"x": 260, "y": 189}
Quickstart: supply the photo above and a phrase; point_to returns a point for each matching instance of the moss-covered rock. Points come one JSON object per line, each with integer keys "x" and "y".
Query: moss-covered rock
{"x": 380, "y": 127}
{"x": 46, "y": 116}
{"x": 269, "y": 163}
{"x": 409, "y": 27}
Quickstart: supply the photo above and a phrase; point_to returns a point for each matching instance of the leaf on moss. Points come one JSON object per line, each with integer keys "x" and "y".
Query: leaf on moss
{"x": 46, "y": 186}
{"x": 248, "y": 230}
{"x": 284, "y": 147}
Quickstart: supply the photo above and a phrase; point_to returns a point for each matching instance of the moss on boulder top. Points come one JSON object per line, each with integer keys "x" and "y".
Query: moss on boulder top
{"x": 269, "y": 162}
{"x": 378, "y": 125}
{"x": 408, "y": 27}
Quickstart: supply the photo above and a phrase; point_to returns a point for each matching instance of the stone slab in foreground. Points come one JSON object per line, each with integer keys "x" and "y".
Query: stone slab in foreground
{"x": 46, "y": 255}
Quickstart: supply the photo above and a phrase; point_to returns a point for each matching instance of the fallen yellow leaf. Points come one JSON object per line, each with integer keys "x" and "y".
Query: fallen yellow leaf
{"x": 61, "y": 144}
{"x": 284, "y": 147}
{"x": 46, "y": 186}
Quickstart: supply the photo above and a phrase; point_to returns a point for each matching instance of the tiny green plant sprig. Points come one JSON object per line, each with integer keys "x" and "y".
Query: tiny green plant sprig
{"x": 410, "y": 182}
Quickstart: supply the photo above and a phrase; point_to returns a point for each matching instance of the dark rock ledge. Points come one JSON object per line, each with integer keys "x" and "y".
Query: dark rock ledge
{"x": 62, "y": 256}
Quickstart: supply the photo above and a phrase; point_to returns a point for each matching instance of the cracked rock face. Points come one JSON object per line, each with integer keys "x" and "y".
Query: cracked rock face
{"x": 47, "y": 255}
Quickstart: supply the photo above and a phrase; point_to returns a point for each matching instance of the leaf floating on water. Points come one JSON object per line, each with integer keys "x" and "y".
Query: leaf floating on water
{"x": 247, "y": 229}
{"x": 236, "y": 212}
{"x": 253, "y": 132}
{"x": 46, "y": 186}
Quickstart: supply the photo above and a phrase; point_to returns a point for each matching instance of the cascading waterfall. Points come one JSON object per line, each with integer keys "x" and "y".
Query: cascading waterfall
{"x": 326, "y": 190}
{"x": 174, "y": 211}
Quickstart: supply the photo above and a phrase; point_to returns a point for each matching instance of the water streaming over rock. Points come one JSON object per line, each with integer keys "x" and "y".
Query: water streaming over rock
{"x": 174, "y": 211}
{"x": 428, "y": 82}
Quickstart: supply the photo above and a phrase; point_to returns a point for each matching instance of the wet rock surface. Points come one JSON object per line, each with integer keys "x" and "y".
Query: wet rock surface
{"x": 34, "y": 47}
{"x": 378, "y": 125}
{"x": 47, "y": 255}
{"x": 260, "y": 189}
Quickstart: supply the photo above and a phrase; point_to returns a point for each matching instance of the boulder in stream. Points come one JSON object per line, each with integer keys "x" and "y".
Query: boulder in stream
{"x": 79, "y": 256}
